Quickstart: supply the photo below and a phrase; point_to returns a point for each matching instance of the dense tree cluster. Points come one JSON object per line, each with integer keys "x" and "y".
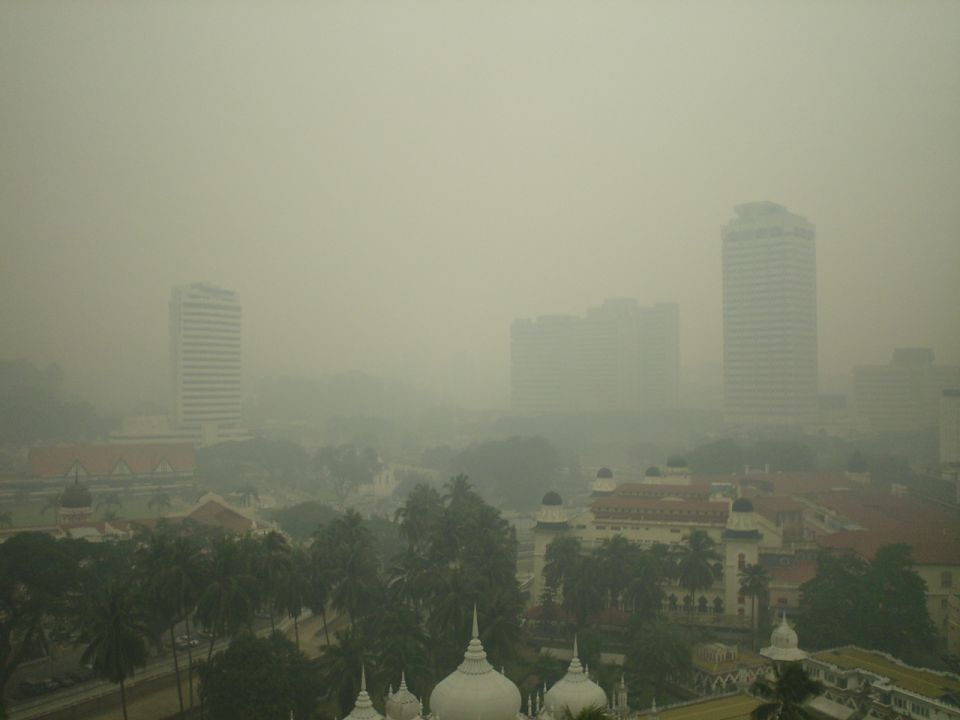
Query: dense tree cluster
{"x": 406, "y": 610}
{"x": 879, "y": 605}
{"x": 514, "y": 472}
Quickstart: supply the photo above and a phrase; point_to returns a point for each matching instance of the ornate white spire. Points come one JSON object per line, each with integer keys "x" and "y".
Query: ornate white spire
{"x": 363, "y": 709}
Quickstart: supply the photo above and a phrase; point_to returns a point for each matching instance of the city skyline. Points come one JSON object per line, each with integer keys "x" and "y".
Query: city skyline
{"x": 386, "y": 230}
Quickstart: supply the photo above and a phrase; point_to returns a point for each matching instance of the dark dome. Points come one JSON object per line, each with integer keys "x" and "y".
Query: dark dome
{"x": 76, "y": 496}
{"x": 742, "y": 505}
{"x": 653, "y": 471}
{"x": 552, "y": 498}
{"x": 676, "y": 461}
{"x": 604, "y": 472}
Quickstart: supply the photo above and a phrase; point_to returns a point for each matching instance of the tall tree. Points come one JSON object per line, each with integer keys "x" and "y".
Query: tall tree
{"x": 695, "y": 563}
{"x": 228, "y": 598}
{"x": 659, "y": 651}
{"x": 115, "y": 635}
{"x": 754, "y": 584}
{"x": 39, "y": 576}
{"x": 786, "y": 696}
{"x": 258, "y": 679}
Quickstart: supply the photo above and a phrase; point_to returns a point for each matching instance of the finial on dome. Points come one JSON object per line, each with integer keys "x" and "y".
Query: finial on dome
{"x": 653, "y": 706}
{"x": 403, "y": 680}
{"x": 575, "y": 645}
{"x": 476, "y": 627}
{"x": 363, "y": 678}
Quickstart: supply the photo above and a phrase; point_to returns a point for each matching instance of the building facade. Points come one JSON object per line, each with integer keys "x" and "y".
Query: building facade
{"x": 769, "y": 317}
{"x": 618, "y": 357}
{"x": 205, "y": 331}
{"x": 904, "y": 395}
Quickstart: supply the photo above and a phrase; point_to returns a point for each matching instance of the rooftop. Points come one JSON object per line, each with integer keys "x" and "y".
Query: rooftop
{"x": 732, "y": 707}
{"x": 923, "y": 682}
{"x": 58, "y": 460}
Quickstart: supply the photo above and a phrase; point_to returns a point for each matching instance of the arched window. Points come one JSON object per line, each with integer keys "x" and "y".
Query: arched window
{"x": 741, "y": 561}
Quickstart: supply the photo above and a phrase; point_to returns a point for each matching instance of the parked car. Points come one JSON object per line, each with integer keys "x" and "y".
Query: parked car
{"x": 32, "y": 688}
{"x": 81, "y": 674}
{"x": 64, "y": 680}
{"x": 185, "y": 641}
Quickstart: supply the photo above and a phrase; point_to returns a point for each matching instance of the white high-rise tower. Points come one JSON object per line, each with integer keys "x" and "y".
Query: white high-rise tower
{"x": 769, "y": 317}
{"x": 205, "y": 323}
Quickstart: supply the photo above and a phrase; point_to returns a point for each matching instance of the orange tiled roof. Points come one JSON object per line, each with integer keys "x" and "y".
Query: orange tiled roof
{"x": 657, "y": 490}
{"x": 937, "y": 544}
{"x": 142, "y": 458}
{"x": 663, "y": 510}
{"x": 217, "y": 515}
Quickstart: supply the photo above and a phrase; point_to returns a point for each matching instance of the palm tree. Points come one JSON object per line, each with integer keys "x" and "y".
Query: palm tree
{"x": 341, "y": 665}
{"x": 159, "y": 580}
{"x": 293, "y": 587}
{"x": 786, "y": 695}
{"x": 115, "y": 635}
{"x": 318, "y": 585}
{"x": 695, "y": 564}
{"x": 186, "y": 578}
{"x": 419, "y": 515}
{"x": 161, "y": 501}
{"x": 616, "y": 556}
{"x": 272, "y": 562}
{"x": 754, "y": 583}
{"x": 227, "y": 602}
{"x": 562, "y": 558}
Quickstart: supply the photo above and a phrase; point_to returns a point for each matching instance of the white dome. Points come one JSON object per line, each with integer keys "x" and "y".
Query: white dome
{"x": 575, "y": 691}
{"x": 784, "y": 643}
{"x": 475, "y": 691}
{"x": 363, "y": 709}
{"x": 403, "y": 704}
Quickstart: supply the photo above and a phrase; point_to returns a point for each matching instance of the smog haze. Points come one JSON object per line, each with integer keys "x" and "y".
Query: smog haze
{"x": 387, "y": 186}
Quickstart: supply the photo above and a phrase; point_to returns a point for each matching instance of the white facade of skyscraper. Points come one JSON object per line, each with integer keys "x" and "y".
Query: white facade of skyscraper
{"x": 619, "y": 357}
{"x": 205, "y": 324}
{"x": 769, "y": 317}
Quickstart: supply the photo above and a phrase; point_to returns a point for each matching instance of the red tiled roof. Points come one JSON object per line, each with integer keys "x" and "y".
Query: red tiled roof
{"x": 214, "y": 514}
{"x": 784, "y": 483}
{"x": 937, "y": 544}
{"x": 650, "y": 509}
{"x": 771, "y": 505}
{"x": 796, "y": 573}
{"x": 656, "y": 490}
{"x": 57, "y": 460}
{"x": 875, "y": 508}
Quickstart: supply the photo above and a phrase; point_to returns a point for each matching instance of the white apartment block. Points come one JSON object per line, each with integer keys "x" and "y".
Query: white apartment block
{"x": 205, "y": 324}
{"x": 619, "y": 357}
{"x": 769, "y": 317}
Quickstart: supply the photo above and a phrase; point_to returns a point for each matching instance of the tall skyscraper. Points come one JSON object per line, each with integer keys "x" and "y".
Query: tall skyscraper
{"x": 619, "y": 357}
{"x": 769, "y": 317}
{"x": 205, "y": 324}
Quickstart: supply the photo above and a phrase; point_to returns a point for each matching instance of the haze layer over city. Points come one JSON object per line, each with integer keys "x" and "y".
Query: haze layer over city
{"x": 388, "y": 187}
{"x": 480, "y": 361}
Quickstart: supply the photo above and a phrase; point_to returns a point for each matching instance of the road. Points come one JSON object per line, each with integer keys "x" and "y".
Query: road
{"x": 65, "y": 698}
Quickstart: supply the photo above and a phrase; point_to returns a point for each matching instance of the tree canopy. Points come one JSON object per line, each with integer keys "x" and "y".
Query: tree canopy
{"x": 878, "y": 604}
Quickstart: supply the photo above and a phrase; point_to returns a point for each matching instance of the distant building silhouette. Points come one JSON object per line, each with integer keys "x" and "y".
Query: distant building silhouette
{"x": 769, "y": 317}
{"x": 205, "y": 325}
{"x": 904, "y": 395}
{"x": 619, "y": 357}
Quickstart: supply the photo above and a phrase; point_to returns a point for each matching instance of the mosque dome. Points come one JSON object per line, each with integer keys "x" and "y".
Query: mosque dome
{"x": 552, "y": 498}
{"x": 742, "y": 521}
{"x": 604, "y": 483}
{"x": 475, "y": 691}
{"x": 604, "y": 472}
{"x": 403, "y": 704}
{"x": 76, "y": 496}
{"x": 363, "y": 709}
{"x": 784, "y": 643}
{"x": 742, "y": 505}
{"x": 575, "y": 691}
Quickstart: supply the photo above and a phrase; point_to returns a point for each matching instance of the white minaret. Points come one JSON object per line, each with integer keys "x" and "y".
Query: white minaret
{"x": 741, "y": 540}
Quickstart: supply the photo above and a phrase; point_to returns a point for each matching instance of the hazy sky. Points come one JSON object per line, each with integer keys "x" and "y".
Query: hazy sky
{"x": 387, "y": 185}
